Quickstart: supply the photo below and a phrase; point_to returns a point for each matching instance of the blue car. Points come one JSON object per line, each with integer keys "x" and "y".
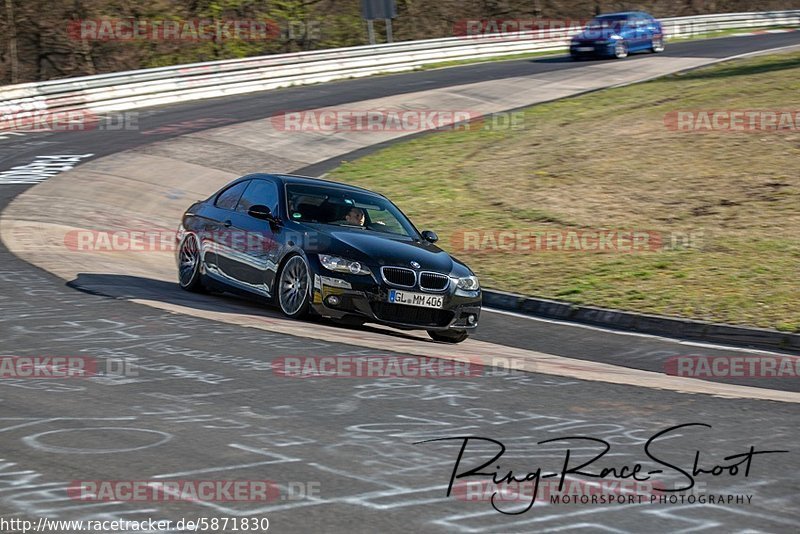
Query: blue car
{"x": 617, "y": 35}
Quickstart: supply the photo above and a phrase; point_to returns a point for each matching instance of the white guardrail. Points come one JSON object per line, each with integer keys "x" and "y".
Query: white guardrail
{"x": 181, "y": 83}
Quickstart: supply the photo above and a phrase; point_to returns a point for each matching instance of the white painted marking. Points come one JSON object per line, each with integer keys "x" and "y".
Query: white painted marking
{"x": 33, "y": 440}
{"x": 633, "y": 334}
{"x": 41, "y": 168}
{"x": 4, "y": 134}
{"x": 222, "y": 468}
{"x": 262, "y": 452}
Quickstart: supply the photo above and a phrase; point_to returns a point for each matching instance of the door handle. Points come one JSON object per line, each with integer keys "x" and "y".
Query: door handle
{"x": 227, "y": 224}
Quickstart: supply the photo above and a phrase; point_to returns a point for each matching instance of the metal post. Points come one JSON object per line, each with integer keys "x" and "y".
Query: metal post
{"x": 388, "y": 30}
{"x": 371, "y": 31}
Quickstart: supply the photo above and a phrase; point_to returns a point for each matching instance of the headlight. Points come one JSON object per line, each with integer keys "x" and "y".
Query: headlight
{"x": 613, "y": 38}
{"x": 341, "y": 265}
{"x": 468, "y": 283}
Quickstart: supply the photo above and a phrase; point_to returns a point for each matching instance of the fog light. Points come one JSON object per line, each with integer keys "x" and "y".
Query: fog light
{"x": 471, "y": 319}
{"x": 332, "y": 300}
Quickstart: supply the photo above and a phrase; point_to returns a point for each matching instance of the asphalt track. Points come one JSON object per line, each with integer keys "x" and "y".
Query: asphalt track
{"x": 214, "y": 417}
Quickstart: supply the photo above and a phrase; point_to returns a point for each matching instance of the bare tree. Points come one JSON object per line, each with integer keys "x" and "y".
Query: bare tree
{"x": 35, "y": 41}
{"x": 84, "y": 49}
{"x": 12, "y": 41}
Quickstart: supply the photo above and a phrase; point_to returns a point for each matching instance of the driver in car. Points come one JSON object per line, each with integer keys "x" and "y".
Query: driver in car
{"x": 356, "y": 217}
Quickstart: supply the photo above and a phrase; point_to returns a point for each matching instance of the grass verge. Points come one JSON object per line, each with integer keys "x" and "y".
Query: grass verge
{"x": 606, "y": 160}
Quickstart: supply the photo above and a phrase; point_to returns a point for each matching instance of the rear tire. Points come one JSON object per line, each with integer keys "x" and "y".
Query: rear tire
{"x": 448, "y": 336}
{"x": 294, "y": 288}
{"x": 189, "y": 259}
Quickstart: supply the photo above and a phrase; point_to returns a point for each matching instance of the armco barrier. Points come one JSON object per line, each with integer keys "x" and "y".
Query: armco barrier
{"x": 150, "y": 87}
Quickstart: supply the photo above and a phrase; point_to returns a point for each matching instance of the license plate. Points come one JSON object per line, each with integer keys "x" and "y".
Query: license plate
{"x": 415, "y": 299}
{"x": 585, "y": 49}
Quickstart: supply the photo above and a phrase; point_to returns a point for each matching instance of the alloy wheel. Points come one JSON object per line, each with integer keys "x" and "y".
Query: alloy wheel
{"x": 293, "y": 287}
{"x": 189, "y": 263}
{"x": 658, "y": 45}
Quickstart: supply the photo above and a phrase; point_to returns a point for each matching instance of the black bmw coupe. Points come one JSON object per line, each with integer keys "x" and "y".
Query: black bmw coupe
{"x": 315, "y": 246}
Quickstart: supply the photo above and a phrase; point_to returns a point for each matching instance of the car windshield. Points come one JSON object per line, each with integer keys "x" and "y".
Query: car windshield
{"x": 605, "y": 22}
{"x": 351, "y": 209}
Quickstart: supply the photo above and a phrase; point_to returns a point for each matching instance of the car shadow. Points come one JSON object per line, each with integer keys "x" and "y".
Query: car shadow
{"x": 566, "y": 59}
{"x": 127, "y": 287}
{"x": 588, "y": 60}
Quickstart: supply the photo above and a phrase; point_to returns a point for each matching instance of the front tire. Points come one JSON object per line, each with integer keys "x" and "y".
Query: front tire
{"x": 658, "y": 45}
{"x": 294, "y": 288}
{"x": 189, "y": 258}
{"x": 448, "y": 336}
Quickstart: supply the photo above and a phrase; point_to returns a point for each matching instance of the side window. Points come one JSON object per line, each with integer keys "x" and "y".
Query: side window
{"x": 227, "y": 199}
{"x": 262, "y": 192}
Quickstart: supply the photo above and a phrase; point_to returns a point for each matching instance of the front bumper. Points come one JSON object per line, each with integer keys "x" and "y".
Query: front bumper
{"x": 366, "y": 298}
{"x": 592, "y": 49}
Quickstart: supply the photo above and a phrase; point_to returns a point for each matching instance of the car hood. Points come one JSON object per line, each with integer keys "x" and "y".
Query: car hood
{"x": 379, "y": 250}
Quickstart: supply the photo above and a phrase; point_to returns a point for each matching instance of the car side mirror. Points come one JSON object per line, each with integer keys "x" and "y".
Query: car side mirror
{"x": 430, "y": 236}
{"x": 261, "y": 212}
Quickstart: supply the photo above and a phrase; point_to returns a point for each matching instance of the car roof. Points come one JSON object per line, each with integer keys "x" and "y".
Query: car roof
{"x": 308, "y": 180}
{"x": 625, "y": 14}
